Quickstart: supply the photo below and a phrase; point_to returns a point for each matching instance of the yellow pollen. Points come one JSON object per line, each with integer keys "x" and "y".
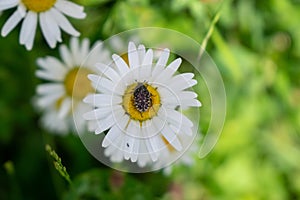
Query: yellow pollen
{"x": 38, "y": 5}
{"x": 125, "y": 58}
{"x": 77, "y": 84}
{"x": 132, "y": 109}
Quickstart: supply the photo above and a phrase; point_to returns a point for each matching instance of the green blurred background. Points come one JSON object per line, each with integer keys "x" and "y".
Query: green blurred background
{"x": 256, "y": 46}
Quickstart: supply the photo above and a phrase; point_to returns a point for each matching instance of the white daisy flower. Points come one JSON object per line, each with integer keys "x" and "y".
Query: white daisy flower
{"x": 66, "y": 82}
{"x": 49, "y": 13}
{"x": 139, "y": 104}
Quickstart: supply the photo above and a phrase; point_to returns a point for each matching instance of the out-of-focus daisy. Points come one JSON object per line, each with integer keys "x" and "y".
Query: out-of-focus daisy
{"x": 49, "y": 14}
{"x": 66, "y": 81}
{"x": 139, "y": 104}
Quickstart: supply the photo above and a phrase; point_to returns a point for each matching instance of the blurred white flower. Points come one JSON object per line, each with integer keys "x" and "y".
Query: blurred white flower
{"x": 49, "y": 13}
{"x": 66, "y": 82}
{"x": 138, "y": 103}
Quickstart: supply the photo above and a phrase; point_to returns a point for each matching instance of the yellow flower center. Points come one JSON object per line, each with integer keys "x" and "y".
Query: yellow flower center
{"x": 141, "y": 101}
{"x": 38, "y": 5}
{"x": 77, "y": 84}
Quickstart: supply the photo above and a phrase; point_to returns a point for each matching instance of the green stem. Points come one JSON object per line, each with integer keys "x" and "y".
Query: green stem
{"x": 209, "y": 33}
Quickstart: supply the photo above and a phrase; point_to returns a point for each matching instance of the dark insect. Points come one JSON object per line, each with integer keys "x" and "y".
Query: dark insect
{"x": 142, "y": 98}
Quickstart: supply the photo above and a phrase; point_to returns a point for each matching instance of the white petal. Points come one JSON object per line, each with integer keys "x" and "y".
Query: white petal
{"x": 161, "y": 63}
{"x": 153, "y": 154}
{"x": 165, "y": 92}
{"x": 51, "y": 69}
{"x": 52, "y": 123}
{"x": 114, "y": 151}
{"x": 102, "y": 84}
{"x": 145, "y": 69}
{"x": 66, "y": 55}
{"x": 177, "y": 128}
{"x": 190, "y": 102}
{"x": 182, "y": 81}
{"x": 98, "y": 113}
{"x": 110, "y": 137}
{"x": 166, "y": 74}
{"x": 132, "y": 128}
{"x": 74, "y": 47}
{"x": 117, "y": 156}
{"x": 152, "y": 147}
{"x": 47, "y": 100}
{"x": 174, "y": 65}
{"x": 183, "y": 103}
{"x": 85, "y": 48}
{"x": 171, "y": 137}
{"x": 92, "y": 125}
{"x": 148, "y": 58}
{"x": 187, "y": 95}
{"x": 185, "y": 77}
{"x": 133, "y": 56}
{"x": 22, "y": 9}
{"x": 78, "y": 122}
{"x": 3, "y": 2}
{"x": 176, "y": 117}
{"x": 156, "y": 143}
{"x": 108, "y": 72}
{"x": 109, "y": 151}
{"x": 121, "y": 64}
{"x": 63, "y": 22}
{"x": 105, "y": 124}
{"x": 7, "y": 4}
{"x": 47, "y": 76}
{"x": 48, "y": 88}
{"x": 53, "y": 65}
{"x": 25, "y": 29}
{"x": 141, "y": 52}
{"x": 46, "y": 30}
{"x": 128, "y": 146}
{"x": 168, "y": 134}
{"x": 122, "y": 119}
{"x": 53, "y": 26}
{"x": 135, "y": 151}
{"x": 180, "y": 96}
{"x": 65, "y": 108}
{"x": 28, "y": 29}
{"x": 143, "y": 155}
{"x": 11, "y": 23}
{"x": 98, "y": 54}
{"x": 102, "y": 100}
{"x": 71, "y": 9}
{"x": 149, "y": 129}
{"x": 30, "y": 41}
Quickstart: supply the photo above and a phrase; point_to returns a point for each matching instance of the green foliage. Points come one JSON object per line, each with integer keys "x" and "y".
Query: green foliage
{"x": 110, "y": 184}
